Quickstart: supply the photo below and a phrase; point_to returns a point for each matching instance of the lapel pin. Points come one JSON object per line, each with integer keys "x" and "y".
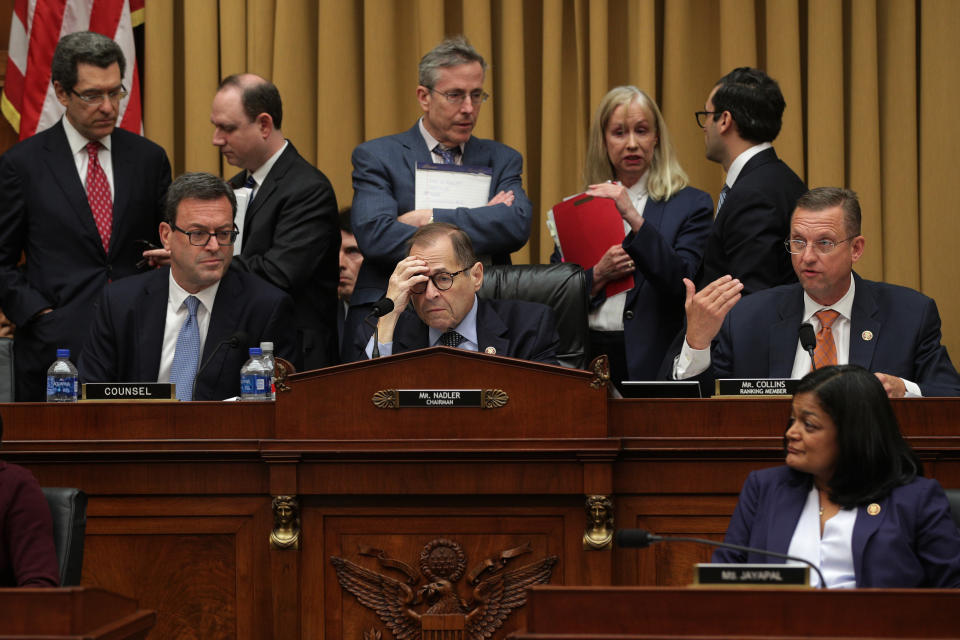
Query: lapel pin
{"x": 873, "y": 508}
{"x": 867, "y": 335}
{"x": 491, "y": 350}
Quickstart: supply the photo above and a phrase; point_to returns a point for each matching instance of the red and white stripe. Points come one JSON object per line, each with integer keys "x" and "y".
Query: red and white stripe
{"x": 29, "y": 101}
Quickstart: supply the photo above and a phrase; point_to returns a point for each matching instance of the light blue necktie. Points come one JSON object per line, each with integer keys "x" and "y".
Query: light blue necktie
{"x": 723, "y": 196}
{"x": 187, "y": 355}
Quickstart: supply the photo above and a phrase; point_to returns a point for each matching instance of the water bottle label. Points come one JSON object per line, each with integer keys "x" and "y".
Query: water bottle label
{"x": 248, "y": 384}
{"x": 62, "y": 386}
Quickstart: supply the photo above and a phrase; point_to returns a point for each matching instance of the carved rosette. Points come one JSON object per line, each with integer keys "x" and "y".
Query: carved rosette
{"x": 494, "y": 398}
{"x": 386, "y": 399}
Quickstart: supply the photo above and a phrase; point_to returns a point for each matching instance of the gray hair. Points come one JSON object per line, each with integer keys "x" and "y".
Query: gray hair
{"x": 449, "y": 53}
{"x": 198, "y": 186}
{"x": 86, "y": 47}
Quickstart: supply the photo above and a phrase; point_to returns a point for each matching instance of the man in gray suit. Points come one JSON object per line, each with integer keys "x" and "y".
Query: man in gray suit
{"x": 450, "y": 93}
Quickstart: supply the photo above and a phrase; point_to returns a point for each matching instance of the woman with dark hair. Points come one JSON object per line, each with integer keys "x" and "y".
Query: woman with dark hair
{"x": 851, "y": 499}
{"x": 27, "y": 554}
{"x": 631, "y": 161}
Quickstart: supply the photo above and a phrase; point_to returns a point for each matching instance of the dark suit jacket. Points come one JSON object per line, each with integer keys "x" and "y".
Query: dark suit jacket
{"x": 291, "y": 239}
{"x": 514, "y": 328}
{"x": 44, "y": 213}
{"x": 126, "y": 338}
{"x": 759, "y": 337}
{"x": 912, "y": 542}
{"x": 384, "y": 177}
{"x": 748, "y": 233}
{"x": 666, "y": 250}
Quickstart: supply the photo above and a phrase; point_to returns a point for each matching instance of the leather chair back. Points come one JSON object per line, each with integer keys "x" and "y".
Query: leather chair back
{"x": 953, "y": 497}
{"x": 562, "y": 286}
{"x": 69, "y": 510}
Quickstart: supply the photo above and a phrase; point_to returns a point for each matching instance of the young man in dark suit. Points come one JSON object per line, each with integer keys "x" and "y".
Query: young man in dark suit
{"x": 289, "y": 224}
{"x": 175, "y": 325}
{"x": 741, "y": 118}
{"x": 80, "y": 200}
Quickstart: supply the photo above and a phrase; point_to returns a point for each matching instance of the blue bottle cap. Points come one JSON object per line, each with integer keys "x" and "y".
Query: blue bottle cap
{"x": 255, "y": 351}
{"x": 63, "y": 353}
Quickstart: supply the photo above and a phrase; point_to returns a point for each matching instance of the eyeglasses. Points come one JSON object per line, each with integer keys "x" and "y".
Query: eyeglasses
{"x": 97, "y": 97}
{"x": 441, "y": 280}
{"x": 225, "y": 237}
{"x": 822, "y": 246}
{"x": 700, "y": 115}
{"x": 477, "y": 97}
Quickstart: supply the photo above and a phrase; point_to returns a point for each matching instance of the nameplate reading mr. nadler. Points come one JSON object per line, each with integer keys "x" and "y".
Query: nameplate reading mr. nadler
{"x": 779, "y": 575}
{"x": 442, "y": 398}
{"x": 740, "y": 387}
{"x": 138, "y": 391}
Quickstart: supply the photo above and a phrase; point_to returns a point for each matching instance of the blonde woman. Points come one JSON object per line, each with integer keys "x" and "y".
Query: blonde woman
{"x": 631, "y": 161}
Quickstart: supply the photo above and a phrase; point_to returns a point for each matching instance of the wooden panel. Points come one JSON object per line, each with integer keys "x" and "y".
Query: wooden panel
{"x": 201, "y": 563}
{"x": 71, "y": 612}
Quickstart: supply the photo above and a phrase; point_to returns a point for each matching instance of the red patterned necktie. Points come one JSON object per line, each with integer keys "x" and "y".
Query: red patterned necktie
{"x": 98, "y": 194}
{"x": 825, "y": 353}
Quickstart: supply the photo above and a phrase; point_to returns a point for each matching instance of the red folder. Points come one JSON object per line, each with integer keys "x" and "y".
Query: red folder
{"x": 586, "y": 228}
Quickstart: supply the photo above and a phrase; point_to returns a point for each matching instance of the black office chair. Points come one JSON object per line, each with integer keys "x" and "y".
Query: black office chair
{"x": 953, "y": 497}
{"x": 69, "y": 510}
{"x": 561, "y": 286}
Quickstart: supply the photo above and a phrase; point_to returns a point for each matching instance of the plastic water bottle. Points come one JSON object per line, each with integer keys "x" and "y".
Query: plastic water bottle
{"x": 62, "y": 382}
{"x": 267, "y": 349}
{"x": 254, "y": 377}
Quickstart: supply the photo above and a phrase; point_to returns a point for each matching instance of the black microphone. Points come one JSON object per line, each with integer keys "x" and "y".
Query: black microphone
{"x": 234, "y": 340}
{"x": 380, "y": 308}
{"x": 641, "y": 539}
{"x": 808, "y": 340}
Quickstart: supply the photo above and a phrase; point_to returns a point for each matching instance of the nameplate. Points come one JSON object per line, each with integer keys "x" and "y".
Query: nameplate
{"x": 772, "y": 575}
{"x": 439, "y": 398}
{"x": 661, "y": 389}
{"x": 746, "y": 387}
{"x": 129, "y": 391}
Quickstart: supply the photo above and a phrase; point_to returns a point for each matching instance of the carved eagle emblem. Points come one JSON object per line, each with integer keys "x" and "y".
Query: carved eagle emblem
{"x": 403, "y": 608}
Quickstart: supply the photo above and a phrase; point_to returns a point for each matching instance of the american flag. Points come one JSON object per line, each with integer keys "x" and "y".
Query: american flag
{"x": 28, "y": 99}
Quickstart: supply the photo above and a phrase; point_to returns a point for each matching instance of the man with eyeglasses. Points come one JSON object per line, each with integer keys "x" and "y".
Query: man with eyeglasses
{"x": 890, "y": 330}
{"x": 434, "y": 290}
{"x": 741, "y": 118}
{"x": 289, "y": 231}
{"x": 450, "y": 94}
{"x": 177, "y": 324}
{"x": 82, "y": 200}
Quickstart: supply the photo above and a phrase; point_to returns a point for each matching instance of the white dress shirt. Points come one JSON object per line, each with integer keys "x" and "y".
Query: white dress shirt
{"x": 832, "y": 552}
{"x": 78, "y": 147}
{"x": 177, "y": 314}
{"x": 737, "y": 165}
{"x": 433, "y": 142}
{"x": 245, "y": 195}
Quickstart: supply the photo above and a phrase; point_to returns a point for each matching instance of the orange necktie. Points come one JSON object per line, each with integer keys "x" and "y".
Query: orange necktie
{"x": 825, "y": 353}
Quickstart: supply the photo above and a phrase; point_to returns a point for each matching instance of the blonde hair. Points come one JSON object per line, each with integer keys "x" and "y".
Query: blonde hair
{"x": 665, "y": 177}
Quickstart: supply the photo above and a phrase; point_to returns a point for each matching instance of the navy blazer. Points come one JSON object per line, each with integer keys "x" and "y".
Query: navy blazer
{"x": 291, "y": 239}
{"x": 667, "y": 249}
{"x": 514, "y": 328}
{"x": 759, "y": 337}
{"x": 126, "y": 338}
{"x": 911, "y": 542}
{"x": 748, "y": 233}
{"x": 384, "y": 182}
{"x": 44, "y": 213}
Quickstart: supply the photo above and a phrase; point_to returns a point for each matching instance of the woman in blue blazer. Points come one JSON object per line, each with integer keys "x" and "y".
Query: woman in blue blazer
{"x": 631, "y": 161}
{"x": 852, "y": 498}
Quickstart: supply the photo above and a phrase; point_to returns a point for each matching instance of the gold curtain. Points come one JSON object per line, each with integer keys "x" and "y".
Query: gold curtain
{"x": 869, "y": 85}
